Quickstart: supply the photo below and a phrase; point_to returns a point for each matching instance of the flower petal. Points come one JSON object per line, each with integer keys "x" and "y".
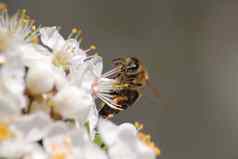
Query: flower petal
{"x": 108, "y": 131}
{"x": 32, "y": 127}
{"x": 51, "y": 38}
{"x": 72, "y": 102}
{"x": 92, "y": 118}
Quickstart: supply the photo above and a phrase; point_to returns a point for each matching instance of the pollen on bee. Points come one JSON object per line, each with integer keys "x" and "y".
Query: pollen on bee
{"x": 123, "y": 85}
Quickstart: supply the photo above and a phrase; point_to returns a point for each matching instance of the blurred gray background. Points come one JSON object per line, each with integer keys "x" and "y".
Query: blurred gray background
{"x": 190, "y": 48}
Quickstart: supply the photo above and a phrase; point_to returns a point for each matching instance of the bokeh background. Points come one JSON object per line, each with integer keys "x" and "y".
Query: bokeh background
{"x": 190, "y": 48}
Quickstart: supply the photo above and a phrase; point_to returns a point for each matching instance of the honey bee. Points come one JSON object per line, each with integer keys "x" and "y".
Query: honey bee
{"x": 132, "y": 76}
{"x": 132, "y": 72}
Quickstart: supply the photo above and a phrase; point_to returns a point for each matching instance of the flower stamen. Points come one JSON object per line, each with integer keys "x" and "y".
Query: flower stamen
{"x": 146, "y": 139}
{"x": 5, "y": 132}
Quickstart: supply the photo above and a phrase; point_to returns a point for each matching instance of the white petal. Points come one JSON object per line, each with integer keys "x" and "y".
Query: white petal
{"x": 85, "y": 74}
{"x": 51, "y": 38}
{"x": 92, "y": 118}
{"x": 97, "y": 64}
{"x": 39, "y": 79}
{"x": 57, "y": 128}
{"x": 79, "y": 145}
{"x": 32, "y": 127}
{"x": 94, "y": 152}
{"x": 123, "y": 138}
{"x": 72, "y": 45}
{"x": 108, "y": 131}
{"x": 12, "y": 84}
{"x": 16, "y": 149}
{"x": 72, "y": 102}
{"x": 33, "y": 54}
{"x": 127, "y": 132}
{"x": 59, "y": 78}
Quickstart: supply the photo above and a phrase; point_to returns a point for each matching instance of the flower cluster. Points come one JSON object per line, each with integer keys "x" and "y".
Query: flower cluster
{"x": 48, "y": 88}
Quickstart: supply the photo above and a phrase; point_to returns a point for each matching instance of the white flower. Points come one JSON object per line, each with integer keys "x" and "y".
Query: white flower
{"x": 88, "y": 77}
{"x": 12, "y": 85}
{"x": 73, "y": 102}
{"x": 73, "y": 145}
{"x": 123, "y": 142}
{"x": 32, "y": 127}
{"x": 92, "y": 120}
{"x": 20, "y": 149}
{"x": 64, "y": 52}
{"x": 16, "y": 30}
{"x": 19, "y": 135}
{"x": 39, "y": 79}
{"x": 34, "y": 54}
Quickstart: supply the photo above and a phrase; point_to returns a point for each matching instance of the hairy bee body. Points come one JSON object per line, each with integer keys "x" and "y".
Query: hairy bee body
{"x": 132, "y": 76}
{"x": 132, "y": 71}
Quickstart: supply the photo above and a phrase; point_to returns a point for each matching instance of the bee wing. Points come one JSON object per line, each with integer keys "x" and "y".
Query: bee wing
{"x": 124, "y": 98}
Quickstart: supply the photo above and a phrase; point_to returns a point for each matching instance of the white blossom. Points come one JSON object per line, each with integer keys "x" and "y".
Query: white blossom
{"x": 48, "y": 93}
{"x": 123, "y": 139}
{"x": 38, "y": 79}
{"x": 63, "y": 51}
{"x": 12, "y": 85}
{"x": 16, "y": 30}
{"x": 73, "y": 102}
{"x": 19, "y": 135}
{"x": 73, "y": 144}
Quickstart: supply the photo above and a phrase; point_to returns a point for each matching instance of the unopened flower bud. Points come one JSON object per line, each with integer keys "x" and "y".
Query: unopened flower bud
{"x": 39, "y": 79}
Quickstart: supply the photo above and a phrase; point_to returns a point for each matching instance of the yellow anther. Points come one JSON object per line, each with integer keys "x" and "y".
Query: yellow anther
{"x": 157, "y": 151}
{"x": 23, "y": 11}
{"x": 58, "y": 156}
{"x": 93, "y": 47}
{"x": 33, "y": 27}
{"x": 60, "y": 60}
{"x": 74, "y": 30}
{"x": 5, "y": 132}
{"x": 146, "y": 139}
{"x": 138, "y": 125}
